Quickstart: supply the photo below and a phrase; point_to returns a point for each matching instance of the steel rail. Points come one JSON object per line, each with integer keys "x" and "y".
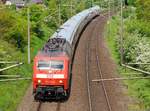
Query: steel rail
{"x": 103, "y": 84}
{"x": 87, "y": 72}
{"x": 39, "y": 106}
{"x": 101, "y": 76}
{"x": 87, "y": 76}
{"x": 100, "y": 73}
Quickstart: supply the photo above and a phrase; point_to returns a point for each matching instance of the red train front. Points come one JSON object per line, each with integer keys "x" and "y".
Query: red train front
{"x": 51, "y": 77}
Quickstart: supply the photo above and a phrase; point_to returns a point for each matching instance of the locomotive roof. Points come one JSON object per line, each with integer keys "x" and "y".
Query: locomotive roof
{"x": 52, "y": 54}
{"x": 54, "y": 44}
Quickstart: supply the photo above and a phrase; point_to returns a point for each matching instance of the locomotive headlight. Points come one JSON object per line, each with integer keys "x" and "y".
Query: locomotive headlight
{"x": 60, "y": 81}
{"x": 39, "y": 81}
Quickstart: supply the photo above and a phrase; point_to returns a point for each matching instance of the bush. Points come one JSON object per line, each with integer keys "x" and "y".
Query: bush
{"x": 140, "y": 26}
{"x": 143, "y": 8}
{"x": 13, "y": 27}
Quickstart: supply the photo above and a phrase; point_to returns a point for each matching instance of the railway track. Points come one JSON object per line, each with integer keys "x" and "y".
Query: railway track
{"x": 92, "y": 57}
{"x": 103, "y": 85}
{"x": 101, "y": 75}
{"x": 41, "y": 106}
{"x": 85, "y": 94}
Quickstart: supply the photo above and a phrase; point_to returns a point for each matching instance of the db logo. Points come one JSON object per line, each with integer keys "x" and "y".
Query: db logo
{"x": 50, "y": 76}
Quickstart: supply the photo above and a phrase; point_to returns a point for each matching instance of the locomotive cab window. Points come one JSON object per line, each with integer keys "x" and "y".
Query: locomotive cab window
{"x": 58, "y": 65}
{"x": 43, "y": 65}
{"x": 53, "y": 65}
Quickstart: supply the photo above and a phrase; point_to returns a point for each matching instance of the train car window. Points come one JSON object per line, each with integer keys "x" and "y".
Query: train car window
{"x": 53, "y": 65}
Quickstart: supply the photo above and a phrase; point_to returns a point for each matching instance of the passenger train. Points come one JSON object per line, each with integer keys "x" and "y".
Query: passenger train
{"x": 52, "y": 69}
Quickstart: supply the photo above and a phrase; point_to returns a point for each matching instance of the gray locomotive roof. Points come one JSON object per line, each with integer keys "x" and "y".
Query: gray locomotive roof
{"x": 68, "y": 29}
{"x": 50, "y": 54}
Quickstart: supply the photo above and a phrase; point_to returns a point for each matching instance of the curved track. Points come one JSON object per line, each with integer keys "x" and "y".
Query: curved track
{"x": 91, "y": 51}
{"x": 96, "y": 92}
{"x": 91, "y": 56}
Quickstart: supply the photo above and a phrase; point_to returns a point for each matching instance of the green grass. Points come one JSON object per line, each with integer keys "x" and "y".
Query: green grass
{"x": 138, "y": 90}
{"x": 11, "y": 93}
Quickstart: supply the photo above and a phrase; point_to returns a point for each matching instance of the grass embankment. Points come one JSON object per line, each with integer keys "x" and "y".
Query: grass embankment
{"x": 13, "y": 47}
{"x": 137, "y": 89}
{"x": 11, "y": 93}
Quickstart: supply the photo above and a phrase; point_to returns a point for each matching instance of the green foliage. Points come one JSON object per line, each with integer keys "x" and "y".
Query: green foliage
{"x": 8, "y": 102}
{"x": 136, "y": 49}
{"x": 140, "y": 89}
{"x": 135, "y": 45}
{"x": 136, "y": 40}
{"x": 7, "y": 54}
{"x": 143, "y": 8}
{"x": 139, "y": 26}
{"x": 80, "y": 6}
{"x": 131, "y": 2}
{"x": 112, "y": 33}
{"x": 12, "y": 27}
{"x": 130, "y": 41}
{"x": 129, "y": 12}
{"x": 37, "y": 12}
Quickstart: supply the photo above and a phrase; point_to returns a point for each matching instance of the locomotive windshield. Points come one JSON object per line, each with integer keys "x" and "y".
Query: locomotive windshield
{"x": 53, "y": 64}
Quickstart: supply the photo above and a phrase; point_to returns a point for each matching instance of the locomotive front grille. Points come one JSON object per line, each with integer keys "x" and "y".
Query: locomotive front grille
{"x": 50, "y": 93}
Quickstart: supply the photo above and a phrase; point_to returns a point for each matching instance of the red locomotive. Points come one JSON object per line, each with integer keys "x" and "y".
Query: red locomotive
{"x": 53, "y": 64}
{"x": 51, "y": 71}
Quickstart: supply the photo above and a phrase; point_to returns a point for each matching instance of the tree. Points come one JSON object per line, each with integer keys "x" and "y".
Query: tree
{"x": 143, "y": 8}
{"x": 13, "y": 27}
